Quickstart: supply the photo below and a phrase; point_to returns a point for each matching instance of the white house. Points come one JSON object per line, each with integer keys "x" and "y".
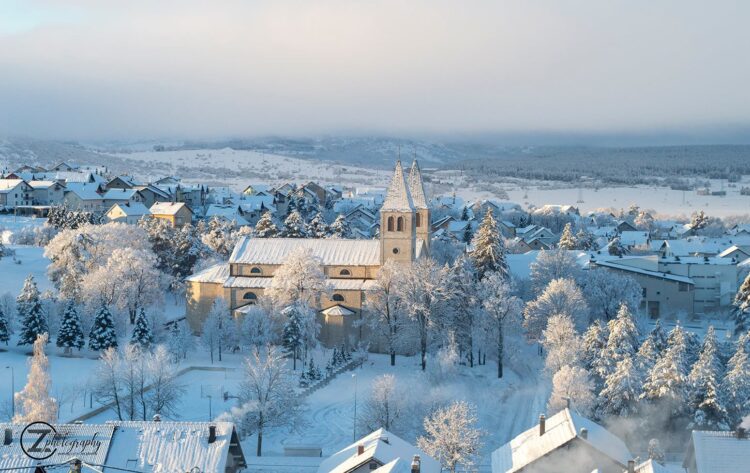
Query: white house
{"x": 47, "y": 192}
{"x": 718, "y": 452}
{"x": 15, "y": 192}
{"x": 85, "y": 197}
{"x": 129, "y": 213}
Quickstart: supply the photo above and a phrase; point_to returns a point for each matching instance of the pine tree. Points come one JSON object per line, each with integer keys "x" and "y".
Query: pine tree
{"x": 317, "y": 227}
{"x": 622, "y": 343}
{"x": 666, "y": 383}
{"x": 647, "y": 356}
{"x": 30, "y": 312}
{"x": 735, "y": 387}
{"x": 468, "y": 235}
{"x": 567, "y": 240}
{"x": 102, "y": 334}
{"x": 615, "y": 247}
{"x": 585, "y": 240}
{"x": 292, "y": 337}
{"x": 741, "y": 312}
{"x": 142, "y": 331}
{"x": 489, "y": 250}
{"x": 4, "y": 328}
{"x": 658, "y": 337}
{"x": 594, "y": 341}
{"x": 265, "y": 228}
{"x": 708, "y": 409}
{"x": 294, "y": 226}
{"x": 34, "y": 401}
{"x": 70, "y": 334}
{"x": 621, "y": 390}
{"x": 340, "y": 228}
{"x": 464, "y": 214}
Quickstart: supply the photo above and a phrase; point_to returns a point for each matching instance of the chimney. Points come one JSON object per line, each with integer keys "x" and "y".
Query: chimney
{"x": 157, "y": 418}
{"x": 8, "y": 437}
{"x": 416, "y": 464}
{"x": 211, "y": 433}
{"x": 631, "y": 466}
{"x": 541, "y": 424}
{"x": 741, "y": 433}
{"x": 584, "y": 433}
{"x": 360, "y": 449}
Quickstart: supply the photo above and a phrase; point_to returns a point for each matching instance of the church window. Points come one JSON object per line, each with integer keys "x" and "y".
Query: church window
{"x": 250, "y": 297}
{"x": 395, "y": 251}
{"x": 390, "y": 224}
{"x": 337, "y": 298}
{"x": 255, "y": 270}
{"x": 345, "y": 272}
{"x": 419, "y": 220}
{"x": 400, "y": 224}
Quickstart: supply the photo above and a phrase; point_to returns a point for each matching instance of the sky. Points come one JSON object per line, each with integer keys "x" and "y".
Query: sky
{"x": 145, "y": 69}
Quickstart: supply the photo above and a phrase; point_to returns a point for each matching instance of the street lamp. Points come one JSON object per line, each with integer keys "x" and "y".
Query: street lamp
{"x": 354, "y": 375}
{"x": 12, "y": 392}
{"x": 210, "y": 400}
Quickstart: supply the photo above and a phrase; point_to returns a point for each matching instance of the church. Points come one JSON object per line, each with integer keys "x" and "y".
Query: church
{"x": 349, "y": 265}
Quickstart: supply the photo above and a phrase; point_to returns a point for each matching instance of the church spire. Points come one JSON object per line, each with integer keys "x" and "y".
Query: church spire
{"x": 416, "y": 188}
{"x": 398, "y": 197}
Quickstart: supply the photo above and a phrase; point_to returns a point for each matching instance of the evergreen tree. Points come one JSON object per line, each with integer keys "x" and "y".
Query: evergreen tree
{"x": 70, "y": 334}
{"x": 594, "y": 341}
{"x": 142, "y": 331}
{"x": 4, "y": 328}
{"x": 567, "y": 240}
{"x": 585, "y": 240}
{"x": 102, "y": 334}
{"x": 489, "y": 250}
{"x": 621, "y": 390}
{"x": 658, "y": 337}
{"x": 34, "y": 401}
{"x": 292, "y": 336}
{"x": 468, "y": 235}
{"x": 317, "y": 227}
{"x": 615, "y": 247}
{"x": 622, "y": 343}
{"x": 741, "y": 312}
{"x": 340, "y": 228}
{"x": 464, "y": 214}
{"x": 265, "y": 228}
{"x": 294, "y": 226}
{"x": 30, "y": 312}
{"x": 666, "y": 383}
{"x": 647, "y": 356}
{"x": 735, "y": 387}
{"x": 708, "y": 407}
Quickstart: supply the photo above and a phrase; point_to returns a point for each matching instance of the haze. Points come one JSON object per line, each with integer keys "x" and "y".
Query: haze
{"x": 100, "y": 69}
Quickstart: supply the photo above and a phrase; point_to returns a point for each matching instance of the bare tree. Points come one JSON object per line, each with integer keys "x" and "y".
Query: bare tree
{"x": 165, "y": 391}
{"x": 384, "y": 307}
{"x": 451, "y": 436}
{"x": 108, "y": 386}
{"x": 501, "y": 309}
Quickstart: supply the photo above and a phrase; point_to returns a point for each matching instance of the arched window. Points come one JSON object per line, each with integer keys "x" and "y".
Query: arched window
{"x": 390, "y": 224}
{"x": 400, "y": 224}
{"x": 250, "y": 297}
{"x": 337, "y": 298}
{"x": 255, "y": 270}
{"x": 419, "y": 220}
{"x": 345, "y": 272}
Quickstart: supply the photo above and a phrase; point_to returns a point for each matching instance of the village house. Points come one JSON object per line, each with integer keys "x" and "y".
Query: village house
{"x": 152, "y": 194}
{"x": 176, "y": 213}
{"x": 79, "y": 196}
{"x": 121, "y": 196}
{"x": 120, "y": 182}
{"x": 47, "y": 192}
{"x": 718, "y": 452}
{"x": 128, "y": 212}
{"x": 350, "y": 265}
{"x": 14, "y": 193}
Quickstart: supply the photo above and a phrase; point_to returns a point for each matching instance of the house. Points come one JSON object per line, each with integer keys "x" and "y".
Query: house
{"x": 380, "y": 452}
{"x": 15, "y": 193}
{"x": 362, "y": 219}
{"x": 625, "y": 226}
{"x": 565, "y": 442}
{"x": 120, "y": 182}
{"x": 739, "y": 253}
{"x": 544, "y": 237}
{"x": 229, "y": 213}
{"x": 121, "y": 196}
{"x": 634, "y": 239}
{"x": 718, "y": 452}
{"x": 350, "y": 265}
{"x": 253, "y": 207}
{"x": 152, "y": 194}
{"x": 152, "y": 446}
{"x": 316, "y": 191}
{"x": 47, "y": 192}
{"x": 83, "y": 196}
{"x": 63, "y": 166}
{"x": 255, "y": 189}
{"x": 176, "y": 213}
{"x": 649, "y": 466}
{"x": 128, "y": 212}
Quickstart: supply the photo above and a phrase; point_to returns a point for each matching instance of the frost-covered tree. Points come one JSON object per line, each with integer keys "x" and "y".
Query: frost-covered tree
{"x": 666, "y": 384}
{"x": 502, "y": 310}
{"x": 622, "y": 390}
{"x": 29, "y": 307}
{"x": 551, "y": 265}
{"x": 384, "y": 309}
{"x": 451, "y": 436}
{"x": 465, "y": 305}
{"x": 317, "y": 227}
{"x": 422, "y": 288}
{"x": 735, "y": 387}
{"x": 655, "y": 452}
{"x": 561, "y": 296}
{"x": 741, "y": 312}
{"x": 142, "y": 335}
{"x": 102, "y": 334}
{"x": 180, "y": 340}
{"x": 623, "y": 342}
{"x": 647, "y": 355}
{"x": 562, "y": 343}
{"x": 300, "y": 280}
{"x": 567, "y": 239}
{"x": 294, "y": 226}
{"x": 258, "y": 328}
{"x": 644, "y": 221}
{"x": 34, "y": 401}
{"x": 585, "y": 240}
{"x": 108, "y": 389}
{"x": 265, "y": 228}
{"x": 606, "y": 291}
{"x": 385, "y": 405}
{"x": 220, "y": 237}
{"x": 706, "y": 402}
{"x": 340, "y": 228}
{"x": 165, "y": 391}
{"x": 659, "y": 337}
{"x": 4, "y": 327}
{"x": 488, "y": 249}
{"x": 219, "y": 329}
{"x": 594, "y": 340}
{"x": 292, "y": 337}
{"x": 267, "y": 398}
{"x": 70, "y": 334}
{"x": 615, "y": 247}
{"x": 572, "y": 385}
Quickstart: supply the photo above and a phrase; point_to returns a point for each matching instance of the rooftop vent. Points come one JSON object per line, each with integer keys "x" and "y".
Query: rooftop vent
{"x": 211, "y": 433}
{"x": 542, "y": 421}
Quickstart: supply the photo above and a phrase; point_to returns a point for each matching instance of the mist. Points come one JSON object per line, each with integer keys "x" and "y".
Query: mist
{"x": 100, "y": 69}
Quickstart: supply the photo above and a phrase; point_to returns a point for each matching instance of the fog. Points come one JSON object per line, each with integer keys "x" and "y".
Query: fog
{"x": 104, "y": 69}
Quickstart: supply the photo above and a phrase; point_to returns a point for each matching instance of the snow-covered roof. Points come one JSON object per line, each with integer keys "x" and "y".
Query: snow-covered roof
{"x": 416, "y": 188}
{"x": 119, "y": 194}
{"x": 253, "y": 203}
{"x": 84, "y": 191}
{"x": 650, "y": 466}
{"x": 9, "y": 184}
{"x": 228, "y": 212}
{"x": 167, "y": 208}
{"x": 41, "y": 184}
{"x": 398, "y": 197}
{"x": 248, "y": 282}
{"x": 720, "y": 452}
{"x": 634, "y": 238}
{"x": 383, "y": 447}
{"x": 560, "y": 429}
{"x": 338, "y": 310}
{"x": 217, "y": 273}
{"x": 645, "y": 272}
{"x": 333, "y": 252}
{"x": 132, "y": 209}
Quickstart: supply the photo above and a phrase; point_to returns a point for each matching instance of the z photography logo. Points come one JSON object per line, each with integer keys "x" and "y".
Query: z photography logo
{"x": 40, "y": 440}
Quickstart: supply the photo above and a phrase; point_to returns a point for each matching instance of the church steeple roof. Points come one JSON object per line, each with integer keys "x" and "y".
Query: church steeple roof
{"x": 398, "y": 197}
{"x": 416, "y": 188}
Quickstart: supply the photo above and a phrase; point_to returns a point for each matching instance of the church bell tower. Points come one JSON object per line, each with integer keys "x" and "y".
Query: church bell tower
{"x": 398, "y": 221}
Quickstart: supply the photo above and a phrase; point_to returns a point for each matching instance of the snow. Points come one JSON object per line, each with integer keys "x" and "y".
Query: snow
{"x": 398, "y": 198}
{"x": 333, "y": 252}
{"x": 720, "y": 452}
{"x": 166, "y": 208}
{"x": 7, "y": 185}
{"x": 29, "y": 260}
{"x": 217, "y": 273}
{"x": 133, "y": 209}
{"x": 84, "y": 191}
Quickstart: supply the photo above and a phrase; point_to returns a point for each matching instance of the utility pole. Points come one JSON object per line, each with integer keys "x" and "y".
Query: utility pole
{"x": 12, "y": 392}
{"x": 354, "y": 430}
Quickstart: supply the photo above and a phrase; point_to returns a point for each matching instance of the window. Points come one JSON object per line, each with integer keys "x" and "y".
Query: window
{"x": 255, "y": 270}
{"x": 683, "y": 287}
{"x": 337, "y": 298}
{"x": 395, "y": 251}
{"x": 390, "y": 224}
{"x": 419, "y": 220}
{"x": 400, "y": 224}
{"x": 250, "y": 297}
{"x": 645, "y": 293}
{"x": 345, "y": 272}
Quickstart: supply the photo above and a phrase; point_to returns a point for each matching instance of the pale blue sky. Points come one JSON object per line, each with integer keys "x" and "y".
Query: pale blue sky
{"x": 90, "y": 69}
